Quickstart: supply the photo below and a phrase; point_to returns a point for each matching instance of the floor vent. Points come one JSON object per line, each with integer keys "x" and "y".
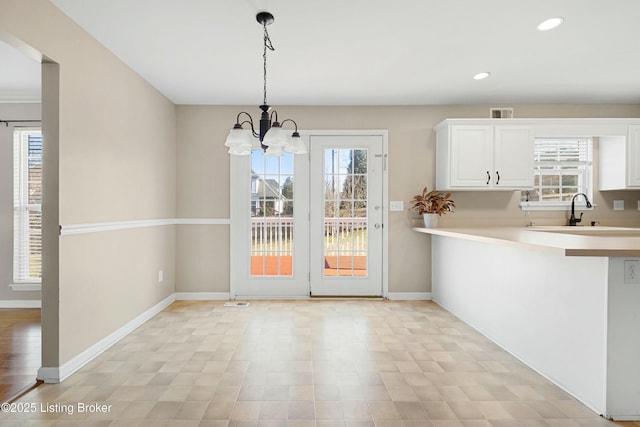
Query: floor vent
{"x": 236, "y": 304}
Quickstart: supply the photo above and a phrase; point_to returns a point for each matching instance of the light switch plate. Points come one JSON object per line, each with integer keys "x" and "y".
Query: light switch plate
{"x": 618, "y": 205}
{"x": 397, "y": 206}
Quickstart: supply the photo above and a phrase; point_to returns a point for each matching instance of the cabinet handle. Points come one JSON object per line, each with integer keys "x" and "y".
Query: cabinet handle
{"x": 498, "y": 181}
{"x": 488, "y": 177}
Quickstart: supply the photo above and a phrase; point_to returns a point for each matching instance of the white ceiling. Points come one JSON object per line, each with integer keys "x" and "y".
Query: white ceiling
{"x": 374, "y": 52}
{"x": 19, "y": 76}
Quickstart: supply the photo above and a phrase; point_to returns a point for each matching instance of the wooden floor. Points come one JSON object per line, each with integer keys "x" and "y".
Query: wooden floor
{"x": 339, "y": 363}
{"x": 20, "y": 345}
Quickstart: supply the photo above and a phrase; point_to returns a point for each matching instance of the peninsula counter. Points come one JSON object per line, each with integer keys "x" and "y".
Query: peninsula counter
{"x": 564, "y": 300}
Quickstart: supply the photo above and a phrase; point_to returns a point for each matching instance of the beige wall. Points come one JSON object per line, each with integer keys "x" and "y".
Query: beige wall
{"x": 116, "y": 149}
{"x": 10, "y": 112}
{"x": 203, "y": 182}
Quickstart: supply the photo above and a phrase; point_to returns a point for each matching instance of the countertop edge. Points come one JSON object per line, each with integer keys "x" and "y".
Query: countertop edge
{"x": 526, "y": 239}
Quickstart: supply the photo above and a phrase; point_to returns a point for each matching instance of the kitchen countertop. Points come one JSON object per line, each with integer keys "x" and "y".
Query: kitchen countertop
{"x": 562, "y": 240}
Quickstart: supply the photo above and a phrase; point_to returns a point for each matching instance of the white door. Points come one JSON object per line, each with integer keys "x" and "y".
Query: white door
{"x": 309, "y": 224}
{"x": 269, "y": 226}
{"x": 346, "y": 213}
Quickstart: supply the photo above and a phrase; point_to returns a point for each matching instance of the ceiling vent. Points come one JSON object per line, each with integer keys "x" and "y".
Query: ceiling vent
{"x": 501, "y": 113}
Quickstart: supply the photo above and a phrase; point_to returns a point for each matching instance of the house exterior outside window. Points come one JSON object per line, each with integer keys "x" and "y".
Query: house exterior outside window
{"x": 563, "y": 168}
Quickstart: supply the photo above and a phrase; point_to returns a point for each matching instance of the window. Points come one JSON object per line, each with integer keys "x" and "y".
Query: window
{"x": 563, "y": 168}
{"x": 27, "y": 205}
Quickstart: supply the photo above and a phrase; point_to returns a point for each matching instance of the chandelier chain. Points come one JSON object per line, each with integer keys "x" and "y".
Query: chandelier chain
{"x": 267, "y": 45}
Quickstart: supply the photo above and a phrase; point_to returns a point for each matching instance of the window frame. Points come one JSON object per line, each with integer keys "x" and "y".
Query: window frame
{"x": 586, "y": 173}
{"x": 22, "y": 231}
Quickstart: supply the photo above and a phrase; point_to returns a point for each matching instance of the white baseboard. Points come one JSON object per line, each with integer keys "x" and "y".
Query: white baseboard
{"x": 49, "y": 375}
{"x": 202, "y": 296}
{"x": 410, "y": 296}
{"x": 625, "y": 418}
{"x": 20, "y": 303}
{"x": 56, "y": 375}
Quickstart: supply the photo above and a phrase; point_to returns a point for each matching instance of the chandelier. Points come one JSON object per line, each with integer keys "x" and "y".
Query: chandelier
{"x": 271, "y": 137}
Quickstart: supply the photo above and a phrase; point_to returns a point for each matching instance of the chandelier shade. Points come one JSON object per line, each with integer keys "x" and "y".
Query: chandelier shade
{"x": 270, "y": 137}
{"x": 275, "y": 136}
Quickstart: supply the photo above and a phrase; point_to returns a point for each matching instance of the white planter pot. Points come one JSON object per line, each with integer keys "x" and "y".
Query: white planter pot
{"x": 430, "y": 220}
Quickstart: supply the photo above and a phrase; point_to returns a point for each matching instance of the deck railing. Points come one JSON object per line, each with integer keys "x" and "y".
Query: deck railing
{"x": 274, "y": 235}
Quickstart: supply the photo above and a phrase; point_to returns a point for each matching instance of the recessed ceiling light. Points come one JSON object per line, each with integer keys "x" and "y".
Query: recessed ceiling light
{"x": 481, "y": 76}
{"x": 550, "y": 24}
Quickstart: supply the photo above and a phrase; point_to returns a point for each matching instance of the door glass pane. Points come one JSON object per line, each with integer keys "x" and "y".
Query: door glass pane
{"x": 345, "y": 212}
{"x": 271, "y": 215}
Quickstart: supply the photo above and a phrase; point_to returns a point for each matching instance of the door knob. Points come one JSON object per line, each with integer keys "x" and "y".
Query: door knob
{"x": 377, "y": 225}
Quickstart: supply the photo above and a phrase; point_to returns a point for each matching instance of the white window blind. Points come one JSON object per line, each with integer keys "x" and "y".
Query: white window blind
{"x": 27, "y": 205}
{"x": 563, "y": 168}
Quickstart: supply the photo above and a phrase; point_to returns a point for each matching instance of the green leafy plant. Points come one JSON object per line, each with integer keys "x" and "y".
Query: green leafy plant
{"x": 432, "y": 202}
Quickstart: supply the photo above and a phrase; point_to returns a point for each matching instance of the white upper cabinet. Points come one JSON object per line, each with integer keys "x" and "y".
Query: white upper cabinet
{"x": 484, "y": 156}
{"x": 633, "y": 161}
{"x": 620, "y": 161}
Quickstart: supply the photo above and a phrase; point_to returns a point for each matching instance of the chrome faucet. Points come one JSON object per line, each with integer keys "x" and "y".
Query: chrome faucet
{"x": 573, "y": 220}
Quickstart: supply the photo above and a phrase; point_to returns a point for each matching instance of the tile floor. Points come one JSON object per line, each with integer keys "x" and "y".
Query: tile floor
{"x": 304, "y": 364}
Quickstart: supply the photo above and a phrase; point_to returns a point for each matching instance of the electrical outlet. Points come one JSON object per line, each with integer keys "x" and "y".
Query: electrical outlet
{"x": 160, "y": 276}
{"x": 618, "y": 205}
{"x": 631, "y": 272}
{"x": 397, "y": 206}
{"x": 639, "y": 205}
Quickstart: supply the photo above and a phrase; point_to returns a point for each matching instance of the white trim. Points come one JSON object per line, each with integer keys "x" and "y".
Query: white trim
{"x": 623, "y": 417}
{"x": 56, "y": 375}
{"x": 110, "y": 226}
{"x": 97, "y": 227}
{"x": 19, "y": 287}
{"x": 410, "y": 296}
{"x": 236, "y": 173}
{"x": 202, "y": 221}
{"x": 48, "y": 375}
{"x": 21, "y": 303}
{"x": 20, "y": 96}
{"x": 550, "y": 126}
{"x": 202, "y": 296}
{"x": 385, "y": 213}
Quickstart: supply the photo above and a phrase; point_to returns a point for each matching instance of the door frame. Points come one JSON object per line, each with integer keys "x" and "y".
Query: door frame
{"x": 236, "y": 170}
{"x": 370, "y": 284}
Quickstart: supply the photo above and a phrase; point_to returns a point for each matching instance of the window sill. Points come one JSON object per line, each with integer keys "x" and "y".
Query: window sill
{"x": 553, "y": 206}
{"x": 35, "y": 286}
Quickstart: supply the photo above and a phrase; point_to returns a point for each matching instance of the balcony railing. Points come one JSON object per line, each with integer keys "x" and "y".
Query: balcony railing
{"x": 274, "y": 235}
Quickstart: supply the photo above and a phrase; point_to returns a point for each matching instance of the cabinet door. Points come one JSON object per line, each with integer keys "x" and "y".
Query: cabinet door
{"x": 633, "y": 157}
{"x": 471, "y": 156}
{"x": 513, "y": 157}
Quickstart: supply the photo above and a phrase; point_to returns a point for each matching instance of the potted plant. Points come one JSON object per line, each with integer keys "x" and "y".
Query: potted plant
{"x": 431, "y": 205}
